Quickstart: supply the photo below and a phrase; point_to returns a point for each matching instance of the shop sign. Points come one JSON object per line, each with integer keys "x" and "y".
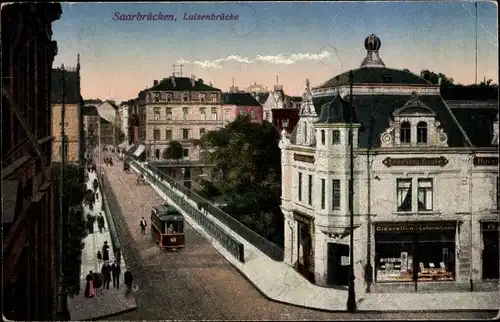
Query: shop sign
{"x": 391, "y": 162}
{"x": 303, "y": 158}
{"x": 490, "y": 226}
{"x": 414, "y": 227}
{"x": 485, "y": 161}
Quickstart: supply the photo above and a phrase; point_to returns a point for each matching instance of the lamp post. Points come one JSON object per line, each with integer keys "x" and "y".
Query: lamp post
{"x": 351, "y": 298}
{"x": 62, "y": 312}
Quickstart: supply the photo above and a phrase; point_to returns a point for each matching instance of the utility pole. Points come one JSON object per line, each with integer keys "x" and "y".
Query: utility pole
{"x": 62, "y": 313}
{"x": 351, "y": 298}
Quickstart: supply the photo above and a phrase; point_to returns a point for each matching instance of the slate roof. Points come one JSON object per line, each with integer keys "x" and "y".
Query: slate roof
{"x": 89, "y": 110}
{"x": 71, "y": 87}
{"x": 336, "y": 111}
{"x": 469, "y": 93}
{"x": 182, "y": 84}
{"x": 375, "y": 112}
{"x": 239, "y": 99}
{"x": 477, "y": 123}
{"x": 376, "y": 75}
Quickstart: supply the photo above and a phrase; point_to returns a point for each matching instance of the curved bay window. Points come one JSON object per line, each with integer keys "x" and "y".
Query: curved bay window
{"x": 412, "y": 252}
{"x": 405, "y": 132}
{"x": 336, "y": 137}
{"x": 422, "y": 132}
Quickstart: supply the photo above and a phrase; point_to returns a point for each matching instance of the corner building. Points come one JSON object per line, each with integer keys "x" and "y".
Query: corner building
{"x": 425, "y": 184}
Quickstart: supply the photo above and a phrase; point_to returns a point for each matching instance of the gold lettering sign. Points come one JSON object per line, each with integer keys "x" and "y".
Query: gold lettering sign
{"x": 303, "y": 158}
{"x": 414, "y": 227}
{"x": 391, "y": 162}
{"x": 486, "y": 161}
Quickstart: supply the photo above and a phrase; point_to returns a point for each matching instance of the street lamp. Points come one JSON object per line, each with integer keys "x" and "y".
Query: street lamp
{"x": 351, "y": 295}
{"x": 62, "y": 312}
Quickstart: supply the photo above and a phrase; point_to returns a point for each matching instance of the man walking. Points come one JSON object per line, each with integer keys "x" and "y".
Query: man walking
{"x": 115, "y": 269}
{"x": 143, "y": 225}
{"x": 106, "y": 273}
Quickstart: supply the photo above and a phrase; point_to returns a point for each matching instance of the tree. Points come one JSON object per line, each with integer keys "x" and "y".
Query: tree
{"x": 445, "y": 81}
{"x": 208, "y": 190}
{"x": 174, "y": 151}
{"x": 248, "y": 156}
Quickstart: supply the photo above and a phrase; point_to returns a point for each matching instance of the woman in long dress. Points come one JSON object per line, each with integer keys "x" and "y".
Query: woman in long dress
{"x": 89, "y": 283}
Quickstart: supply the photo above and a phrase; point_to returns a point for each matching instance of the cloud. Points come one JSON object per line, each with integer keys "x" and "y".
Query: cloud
{"x": 280, "y": 59}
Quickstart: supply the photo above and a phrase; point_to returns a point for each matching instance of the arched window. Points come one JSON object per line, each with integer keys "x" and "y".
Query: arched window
{"x": 336, "y": 137}
{"x": 405, "y": 132}
{"x": 305, "y": 132}
{"x": 323, "y": 137}
{"x": 422, "y": 132}
{"x": 157, "y": 153}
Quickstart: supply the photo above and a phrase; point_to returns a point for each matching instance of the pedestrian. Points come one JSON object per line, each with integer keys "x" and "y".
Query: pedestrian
{"x": 99, "y": 256}
{"x": 90, "y": 223}
{"x": 128, "y": 281}
{"x": 100, "y": 222}
{"x": 98, "y": 283}
{"x": 89, "y": 287}
{"x": 143, "y": 225}
{"x": 105, "y": 251}
{"x": 115, "y": 269}
{"x": 106, "y": 273}
{"x": 101, "y": 219}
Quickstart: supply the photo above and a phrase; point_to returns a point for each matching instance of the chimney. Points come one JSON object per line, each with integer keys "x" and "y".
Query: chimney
{"x": 425, "y": 74}
{"x": 200, "y": 80}
{"x": 155, "y": 82}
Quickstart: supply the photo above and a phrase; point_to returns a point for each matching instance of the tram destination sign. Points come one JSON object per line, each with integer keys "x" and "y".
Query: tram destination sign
{"x": 401, "y": 162}
{"x": 414, "y": 227}
{"x": 485, "y": 161}
{"x": 303, "y": 158}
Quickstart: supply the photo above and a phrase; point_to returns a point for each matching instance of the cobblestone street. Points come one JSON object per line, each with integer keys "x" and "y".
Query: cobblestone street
{"x": 197, "y": 282}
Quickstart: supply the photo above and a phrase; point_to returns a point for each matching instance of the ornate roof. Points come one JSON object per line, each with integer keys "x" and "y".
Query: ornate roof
{"x": 337, "y": 111}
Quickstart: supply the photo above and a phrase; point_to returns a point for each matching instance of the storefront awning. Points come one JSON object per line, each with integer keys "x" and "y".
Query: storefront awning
{"x": 129, "y": 149}
{"x": 123, "y": 145}
{"x": 139, "y": 150}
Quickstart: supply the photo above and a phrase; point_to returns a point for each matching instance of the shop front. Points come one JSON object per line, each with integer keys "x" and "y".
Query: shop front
{"x": 415, "y": 251}
{"x": 305, "y": 246}
{"x": 490, "y": 255}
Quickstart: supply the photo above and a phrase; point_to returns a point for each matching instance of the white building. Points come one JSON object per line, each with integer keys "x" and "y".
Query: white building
{"x": 425, "y": 184}
{"x": 123, "y": 113}
{"x": 277, "y": 99}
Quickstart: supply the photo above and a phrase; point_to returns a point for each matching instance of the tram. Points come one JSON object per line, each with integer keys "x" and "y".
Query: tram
{"x": 167, "y": 227}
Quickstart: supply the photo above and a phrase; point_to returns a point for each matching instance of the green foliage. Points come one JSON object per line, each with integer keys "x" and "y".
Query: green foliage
{"x": 248, "y": 156}
{"x": 208, "y": 190}
{"x": 445, "y": 81}
{"x": 174, "y": 150}
{"x": 74, "y": 245}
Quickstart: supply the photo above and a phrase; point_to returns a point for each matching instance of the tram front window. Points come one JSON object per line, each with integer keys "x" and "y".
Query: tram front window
{"x": 174, "y": 227}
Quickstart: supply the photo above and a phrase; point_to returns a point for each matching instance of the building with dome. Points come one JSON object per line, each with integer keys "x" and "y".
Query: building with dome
{"x": 425, "y": 184}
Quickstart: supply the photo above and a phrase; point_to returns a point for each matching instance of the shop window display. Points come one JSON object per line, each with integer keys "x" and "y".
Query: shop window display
{"x": 431, "y": 255}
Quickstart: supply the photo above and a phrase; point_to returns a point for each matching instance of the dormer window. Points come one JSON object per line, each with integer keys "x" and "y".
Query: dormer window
{"x": 405, "y": 132}
{"x": 336, "y": 137}
{"x": 202, "y": 97}
{"x": 422, "y": 132}
{"x": 169, "y": 97}
{"x": 323, "y": 137}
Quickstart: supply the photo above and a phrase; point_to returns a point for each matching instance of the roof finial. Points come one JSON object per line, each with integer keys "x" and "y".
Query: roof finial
{"x": 372, "y": 46}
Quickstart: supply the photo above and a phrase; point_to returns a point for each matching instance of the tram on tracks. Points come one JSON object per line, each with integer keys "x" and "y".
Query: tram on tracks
{"x": 167, "y": 227}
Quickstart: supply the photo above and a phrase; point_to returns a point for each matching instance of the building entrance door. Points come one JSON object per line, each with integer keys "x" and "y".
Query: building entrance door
{"x": 490, "y": 254}
{"x": 337, "y": 267}
{"x": 304, "y": 251}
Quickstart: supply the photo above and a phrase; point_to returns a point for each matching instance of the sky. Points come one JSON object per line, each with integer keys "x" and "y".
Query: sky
{"x": 269, "y": 42}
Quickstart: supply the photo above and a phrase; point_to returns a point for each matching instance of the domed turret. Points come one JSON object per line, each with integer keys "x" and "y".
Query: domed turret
{"x": 372, "y": 43}
{"x": 372, "y": 59}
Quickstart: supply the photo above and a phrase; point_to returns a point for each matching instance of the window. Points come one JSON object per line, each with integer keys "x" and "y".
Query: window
{"x": 323, "y": 137}
{"x": 202, "y": 97}
{"x": 214, "y": 114}
{"x": 310, "y": 189}
{"x": 285, "y": 123}
{"x": 305, "y": 132}
{"x": 405, "y": 132}
{"x": 185, "y": 97}
{"x": 214, "y": 97}
{"x": 156, "y": 135}
{"x": 202, "y": 131}
{"x": 185, "y": 152}
{"x": 422, "y": 132}
{"x": 336, "y": 194}
{"x": 424, "y": 194}
{"x": 169, "y": 113}
{"x": 168, "y": 135}
{"x": 184, "y": 113}
{"x": 185, "y": 133}
{"x": 404, "y": 194}
{"x": 169, "y": 97}
{"x": 157, "y": 116}
{"x": 323, "y": 191}
{"x": 268, "y": 116}
{"x": 336, "y": 137}
{"x": 203, "y": 113}
{"x": 300, "y": 187}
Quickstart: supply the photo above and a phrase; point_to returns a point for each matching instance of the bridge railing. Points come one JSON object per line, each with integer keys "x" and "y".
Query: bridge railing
{"x": 232, "y": 245}
{"x": 270, "y": 249}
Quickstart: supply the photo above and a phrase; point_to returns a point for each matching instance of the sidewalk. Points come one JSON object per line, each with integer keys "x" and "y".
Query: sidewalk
{"x": 280, "y": 282}
{"x": 113, "y": 301}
